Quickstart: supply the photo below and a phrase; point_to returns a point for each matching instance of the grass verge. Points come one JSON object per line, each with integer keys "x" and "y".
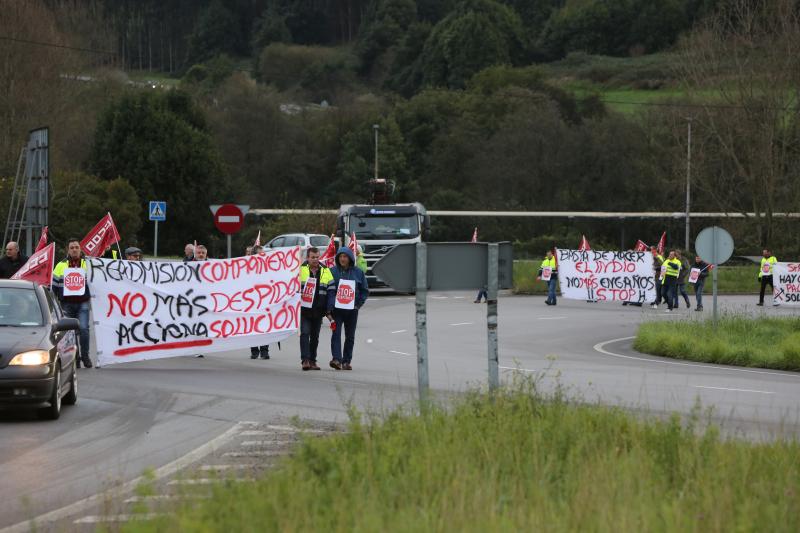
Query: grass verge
{"x": 512, "y": 462}
{"x": 732, "y": 280}
{"x": 741, "y": 341}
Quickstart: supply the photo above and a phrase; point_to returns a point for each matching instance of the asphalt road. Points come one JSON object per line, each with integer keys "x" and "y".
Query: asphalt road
{"x": 139, "y": 415}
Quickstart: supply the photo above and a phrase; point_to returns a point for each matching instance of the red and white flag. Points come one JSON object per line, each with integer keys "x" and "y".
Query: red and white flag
{"x": 353, "y": 245}
{"x": 641, "y": 246}
{"x": 258, "y": 239}
{"x": 584, "y": 245}
{"x": 475, "y": 235}
{"x": 101, "y": 237}
{"x": 662, "y": 243}
{"x": 39, "y": 268}
{"x": 329, "y": 254}
{"x": 42, "y": 240}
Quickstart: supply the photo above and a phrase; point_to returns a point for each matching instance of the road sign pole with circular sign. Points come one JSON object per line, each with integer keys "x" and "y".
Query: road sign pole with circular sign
{"x": 714, "y": 245}
{"x": 229, "y": 219}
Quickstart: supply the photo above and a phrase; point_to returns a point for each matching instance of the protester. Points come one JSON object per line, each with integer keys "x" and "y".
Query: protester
{"x": 550, "y": 262}
{"x": 256, "y": 351}
{"x": 347, "y": 319}
{"x": 765, "y": 275}
{"x": 483, "y": 293}
{"x": 680, "y": 286}
{"x": 188, "y": 253}
{"x": 74, "y": 306}
{"x": 200, "y": 253}
{"x": 133, "y": 253}
{"x": 703, "y": 267}
{"x": 361, "y": 261}
{"x": 658, "y": 261}
{"x": 670, "y": 282}
{"x": 311, "y": 317}
{"x": 12, "y": 261}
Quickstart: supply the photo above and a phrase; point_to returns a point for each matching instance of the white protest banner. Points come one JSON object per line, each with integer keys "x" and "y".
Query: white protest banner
{"x": 786, "y": 280}
{"x": 346, "y": 294}
{"x": 547, "y": 273}
{"x": 74, "y": 282}
{"x": 307, "y": 298}
{"x": 694, "y": 275}
{"x": 151, "y": 310}
{"x": 606, "y": 276}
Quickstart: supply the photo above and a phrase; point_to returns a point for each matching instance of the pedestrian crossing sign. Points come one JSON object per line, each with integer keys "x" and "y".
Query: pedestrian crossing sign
{"x": 158, "y": 211}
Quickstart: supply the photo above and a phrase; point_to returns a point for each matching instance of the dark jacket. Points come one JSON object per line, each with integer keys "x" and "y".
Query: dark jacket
{"x": 8, "y": 267}
{"x": 354, "y": 273}
{"x": 704, "y": 268}
{"x": 684, "y": 270}
{"x": 320, "y": 304}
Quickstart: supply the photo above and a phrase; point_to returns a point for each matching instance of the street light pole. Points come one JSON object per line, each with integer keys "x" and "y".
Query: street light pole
{"x": 376, "y": 127}
{"x": 688, "y": 180}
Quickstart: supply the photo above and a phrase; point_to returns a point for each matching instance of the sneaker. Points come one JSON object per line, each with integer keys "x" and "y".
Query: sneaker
{"x": 668, "y": 310}
{"x": 774, "y": 304}
{"x": 265, "y": 356}
{"x": 200, "y": 356}
{"x": 253, "y": 355}
{"x": 305, "y": 365}
{"x": 476, "y": 302}
{"x": 688, "y": 306}
{"x": 760, "y": 303}
{"x": 312, "y": 365}
{"x": 654, "y": 306}
{"x": 699, "y": 308}
{"x": 346, "y": 366}
{"x": 336, "y": 365}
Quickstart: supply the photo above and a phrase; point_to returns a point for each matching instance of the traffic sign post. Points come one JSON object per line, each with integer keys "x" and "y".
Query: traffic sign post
{"x": 229, "y": 219}
{"x": 158, "y": 213}
{"x": 429, "y": 266}
{"x": 714, "y": 245}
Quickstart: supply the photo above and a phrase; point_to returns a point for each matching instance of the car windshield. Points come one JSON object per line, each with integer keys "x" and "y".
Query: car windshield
{"x": 386, "y": 227}
{"x": 319, "y": 240}
{"x": 19, "y": 308}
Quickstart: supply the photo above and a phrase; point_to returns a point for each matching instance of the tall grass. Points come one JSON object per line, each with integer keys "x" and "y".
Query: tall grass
{"x": 738, "y": 340}
{"x": 512, "y": 462}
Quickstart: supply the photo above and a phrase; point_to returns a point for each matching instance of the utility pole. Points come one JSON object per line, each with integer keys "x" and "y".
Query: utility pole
{"x": 688, "y": 180}
{"x": 376, "y": 127}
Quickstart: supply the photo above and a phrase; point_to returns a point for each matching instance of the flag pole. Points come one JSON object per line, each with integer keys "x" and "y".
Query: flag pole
{"x": 121, "y": 256}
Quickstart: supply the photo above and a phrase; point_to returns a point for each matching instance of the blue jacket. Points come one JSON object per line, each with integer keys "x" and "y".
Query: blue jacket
{"x": 354, "y": 273}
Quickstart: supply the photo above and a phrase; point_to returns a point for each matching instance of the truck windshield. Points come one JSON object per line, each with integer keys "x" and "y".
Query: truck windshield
{"x": 385, "y": 227}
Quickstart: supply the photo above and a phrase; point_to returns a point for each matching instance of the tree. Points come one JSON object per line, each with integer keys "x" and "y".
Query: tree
{"x": 158, "y": 142}
{"x": 216, "y": 31}
{"x": 270, "y": 28}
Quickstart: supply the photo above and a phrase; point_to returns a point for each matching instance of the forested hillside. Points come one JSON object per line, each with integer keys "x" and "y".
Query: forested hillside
{"x": 481, "y": 104}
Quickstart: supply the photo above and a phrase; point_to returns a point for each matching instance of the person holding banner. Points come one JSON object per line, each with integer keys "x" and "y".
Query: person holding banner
{"x": 680, "y": 287}
{"x": 658, "y": 262}
{"x": 314, "y": 280}
{"x": 188, "y": 253}
{"x": 69, "y": 285}
{"x": 672, "y": 269}
{"x": 256, "y": 351}
{"x": 12, "y": 261}
{"x": 698, "y": 276}
{"x": 347, "y": 292}
{"x": 765, "y": 275}
{"x": 548, "y": 272}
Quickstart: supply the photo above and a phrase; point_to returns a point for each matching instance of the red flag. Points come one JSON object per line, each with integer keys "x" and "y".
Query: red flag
{"x": 328, "y": 255}
{"x": 100, "y": 239}
{"x": 42, "y": 240}
{"x": 258, "y": 239}
{"x": 641, "y": 246}
{"x": 662, "y": 243}
{"x": 584, "y": 246}
{"x": 39, "y": 268}
{"x": 353, "y": 244}
{"x": 475, "y": 235}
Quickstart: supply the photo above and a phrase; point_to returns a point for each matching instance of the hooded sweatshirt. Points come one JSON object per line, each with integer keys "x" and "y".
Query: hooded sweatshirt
{"x": 351, "y": 273}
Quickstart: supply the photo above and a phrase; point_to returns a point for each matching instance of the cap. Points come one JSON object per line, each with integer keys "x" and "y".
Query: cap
{"x": 131, "y": 250}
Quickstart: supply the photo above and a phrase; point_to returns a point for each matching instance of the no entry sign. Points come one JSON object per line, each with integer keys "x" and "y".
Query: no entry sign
{"x": 229, "y": 218}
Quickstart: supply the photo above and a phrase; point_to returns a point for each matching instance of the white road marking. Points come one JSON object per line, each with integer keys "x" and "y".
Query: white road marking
{"x": 203, "y": 481}
{"x": 439, "y": 297}
{"x": 519, "y": 369}
{"x": 263, "y": 442}
{"x": 94, "y": 519}
{"x": 458, "y": 297}
{"x": 96, "y": 499}
{"x": 257, "y": 453}
{"x": 400, "y": 331}
{"x": 462, "y": 323}
{"x": 736, "y": 390}
{"x": 219, "y": 468}
{"x": 167, "y": 498}
{"x": 551, "y": 318}
{"x": 600, "y": 347}
{"x": 399, "y": 353}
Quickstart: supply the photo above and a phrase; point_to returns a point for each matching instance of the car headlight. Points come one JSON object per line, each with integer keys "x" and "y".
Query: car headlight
{"x": 32, "y": 358}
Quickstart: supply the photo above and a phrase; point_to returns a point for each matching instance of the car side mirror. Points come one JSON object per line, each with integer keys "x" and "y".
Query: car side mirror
{"x": 67, "y": 324}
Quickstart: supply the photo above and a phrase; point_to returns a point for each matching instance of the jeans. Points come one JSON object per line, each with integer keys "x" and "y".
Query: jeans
{"x": 659, "y": 290}
{"x": 765, "y": 280}
{"x": 482, "y": 294}
{"x": 347, "y": 320}
{"x": 680, "y": 288}
{"x": 81, "y": 312}
{"x": 668, "y": 290}
{"x": 309, "y": 336}
{"x": 256, "y": 350}
{"x": 551, "y": 289}
{"x": 698, "y": 291}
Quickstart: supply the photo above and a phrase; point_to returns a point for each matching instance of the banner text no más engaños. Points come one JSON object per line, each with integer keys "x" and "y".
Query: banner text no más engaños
{"x": 606, "y": 276}
{"x": 156, "y": 309}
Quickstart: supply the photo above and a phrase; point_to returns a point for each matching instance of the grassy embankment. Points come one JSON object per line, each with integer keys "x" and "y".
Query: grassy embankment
{"x": 514, "y": 462}
{"x": 738, "y": 340}
{"x": 732, "y": 280}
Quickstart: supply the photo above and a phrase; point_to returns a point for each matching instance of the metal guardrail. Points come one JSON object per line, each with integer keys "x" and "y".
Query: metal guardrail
{"x": 545, "y": 214}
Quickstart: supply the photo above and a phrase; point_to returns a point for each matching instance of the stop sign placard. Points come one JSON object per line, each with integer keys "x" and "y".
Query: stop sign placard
{"x": 229, "y": 218}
